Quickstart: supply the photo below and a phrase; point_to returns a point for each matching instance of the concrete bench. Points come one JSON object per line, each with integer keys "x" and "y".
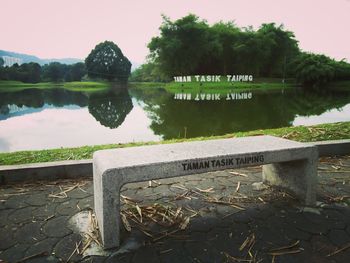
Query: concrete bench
{"x": 287, "y": 164}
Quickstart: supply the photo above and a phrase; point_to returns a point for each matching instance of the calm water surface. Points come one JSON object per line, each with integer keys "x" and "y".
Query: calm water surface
{"x": 54, "y": 118}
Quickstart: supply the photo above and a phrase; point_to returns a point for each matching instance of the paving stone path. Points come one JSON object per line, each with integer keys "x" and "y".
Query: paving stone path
{"x": 225, "y": 218}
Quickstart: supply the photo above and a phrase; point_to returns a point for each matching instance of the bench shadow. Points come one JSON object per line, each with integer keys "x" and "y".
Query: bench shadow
{"x": 281, "y": 230}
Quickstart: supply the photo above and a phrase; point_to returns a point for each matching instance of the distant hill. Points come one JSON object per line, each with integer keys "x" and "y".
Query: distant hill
{"x": 24, "y": 58}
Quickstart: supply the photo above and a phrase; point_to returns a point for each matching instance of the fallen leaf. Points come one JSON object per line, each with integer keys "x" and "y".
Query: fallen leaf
{"x": 185, "y": 223}
{"x": 238, "y": 186}
{"x": 126, "y": 223}
{"x": 238, "y": 174}
{"x": 139, "y": 211}
{"x": 209, "y": 190}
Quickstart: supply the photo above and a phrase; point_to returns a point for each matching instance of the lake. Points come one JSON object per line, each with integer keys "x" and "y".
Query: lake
{"x": 53, "y": 118}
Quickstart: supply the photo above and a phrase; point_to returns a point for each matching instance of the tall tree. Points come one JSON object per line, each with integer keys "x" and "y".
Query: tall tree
{"x": 280, "y": 48}
{"x": 190, "y": 46}
{"x": 107, "y": 61}
{"x": 30, "y": 72}
{"x": 313, "y": 70}
{"x": 224, "y": 37}
{"x": 182, "y": 46}
{"x": 75, "y": 72}
{"x": 54, "y": 71}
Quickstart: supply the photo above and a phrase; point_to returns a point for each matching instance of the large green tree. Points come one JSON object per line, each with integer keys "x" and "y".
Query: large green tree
{"x": 107, "y": 61}
{"x": 54, "y": 71}
{"x": 312, "y": 70}
{"x": 223, "y": 59}
{"x": 279, "y": 47}
{"x": 30, "y": 72}
{"x": 75, "y": 72}
{"x": 183, "y": 46}
{"x": 190, "y": 46}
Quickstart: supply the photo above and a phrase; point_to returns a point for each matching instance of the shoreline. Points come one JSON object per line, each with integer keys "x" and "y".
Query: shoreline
{"x": 321, "y": 132}
{"x": 88, "y": 86}
{"x": 262, "y": 84}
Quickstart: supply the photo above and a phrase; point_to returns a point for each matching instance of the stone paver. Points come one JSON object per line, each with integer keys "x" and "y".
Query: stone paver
{"x": 231, "y": 222}
{"x": 56, "y": 227}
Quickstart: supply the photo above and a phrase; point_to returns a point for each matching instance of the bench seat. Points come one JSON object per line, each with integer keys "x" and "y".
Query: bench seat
{"x": 288, "y": 164}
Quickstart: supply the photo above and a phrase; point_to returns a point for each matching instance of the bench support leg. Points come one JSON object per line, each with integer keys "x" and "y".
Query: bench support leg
{"x": 107, "y": 209}
{"x": 299, "y": 177}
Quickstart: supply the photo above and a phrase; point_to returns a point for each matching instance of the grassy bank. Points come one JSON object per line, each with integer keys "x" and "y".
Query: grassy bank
{"x": 217, "y": 87}
{"x": 321, "y": 132}
{"x": 12, "y": 86}
{"x": 263, "y": 84}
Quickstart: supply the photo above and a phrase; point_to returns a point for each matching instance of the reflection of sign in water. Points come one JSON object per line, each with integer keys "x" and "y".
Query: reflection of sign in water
{"x": 110, "y": 109}
{"x": 215, "y": 96}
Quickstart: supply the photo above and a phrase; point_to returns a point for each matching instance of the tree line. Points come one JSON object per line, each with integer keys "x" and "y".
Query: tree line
{"x": 52, "y": 72}
{"x": 190, "y": 46}
{"x": 106, "y": 61}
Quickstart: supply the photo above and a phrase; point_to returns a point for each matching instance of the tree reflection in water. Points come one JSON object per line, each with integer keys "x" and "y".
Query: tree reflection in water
{"x": 35, "y": 100}
{"x": 174, "y": 118}
{"x": 171, "y": 118}
{"x": 111, "y": 108}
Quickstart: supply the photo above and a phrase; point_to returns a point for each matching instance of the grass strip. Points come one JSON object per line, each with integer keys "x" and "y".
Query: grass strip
{"x": 89, "y": 86}
{"x": 322, "y": 132}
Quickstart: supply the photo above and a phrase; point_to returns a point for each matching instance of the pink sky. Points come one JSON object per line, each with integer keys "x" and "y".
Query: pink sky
{"x": 71, "y": 28}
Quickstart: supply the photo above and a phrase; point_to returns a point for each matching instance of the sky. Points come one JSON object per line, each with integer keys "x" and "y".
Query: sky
{"x": 71, "y": 28}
